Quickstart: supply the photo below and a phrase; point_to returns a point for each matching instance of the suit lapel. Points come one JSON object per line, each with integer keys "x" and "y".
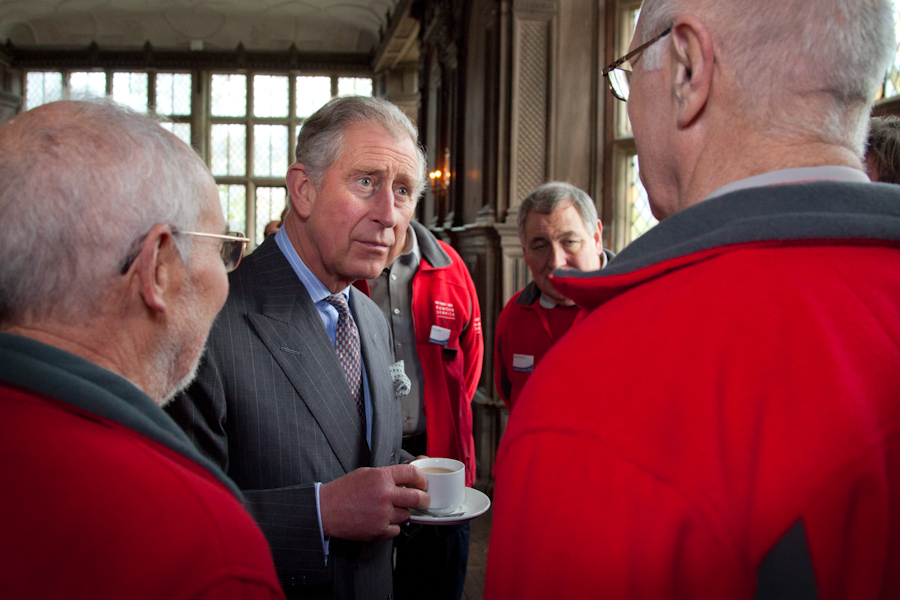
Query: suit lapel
{"x": 290, "y": 327}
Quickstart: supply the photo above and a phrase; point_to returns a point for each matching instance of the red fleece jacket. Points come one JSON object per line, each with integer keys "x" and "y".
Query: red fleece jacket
{"x": 750, "y": 386}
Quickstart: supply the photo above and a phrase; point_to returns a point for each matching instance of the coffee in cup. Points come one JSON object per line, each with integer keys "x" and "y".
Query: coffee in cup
{"x": 436, "y": 470}
{"x": 446, "y": 483}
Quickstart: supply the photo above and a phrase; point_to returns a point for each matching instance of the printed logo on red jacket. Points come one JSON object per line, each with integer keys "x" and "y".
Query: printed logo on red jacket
{"x": 446, "y": 314}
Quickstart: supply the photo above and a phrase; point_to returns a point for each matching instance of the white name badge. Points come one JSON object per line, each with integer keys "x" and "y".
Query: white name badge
{"x": 439, "y": 335}
{"x": 524, "y": 363}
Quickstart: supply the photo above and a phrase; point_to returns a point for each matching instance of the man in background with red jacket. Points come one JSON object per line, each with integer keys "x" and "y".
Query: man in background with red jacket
{"x": 558, "y": 227}
{"x": 429, "y": 299}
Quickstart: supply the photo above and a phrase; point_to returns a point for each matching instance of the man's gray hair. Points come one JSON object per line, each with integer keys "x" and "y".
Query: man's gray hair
{"x": 321, "y": 137}
{"x": 786, "y": 54}
{"x": 82, "y": 183}
{"x": 545, "y": 199}
{"x": 883, "y": 147}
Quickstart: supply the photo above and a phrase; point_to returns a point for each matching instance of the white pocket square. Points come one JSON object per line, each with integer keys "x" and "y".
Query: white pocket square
{"x": 402, "y": 384}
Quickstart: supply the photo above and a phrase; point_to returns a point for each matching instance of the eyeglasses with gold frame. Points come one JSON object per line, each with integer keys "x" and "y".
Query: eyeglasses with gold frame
{"x": 231, "y": 252}
{"x": 619, "y": 79}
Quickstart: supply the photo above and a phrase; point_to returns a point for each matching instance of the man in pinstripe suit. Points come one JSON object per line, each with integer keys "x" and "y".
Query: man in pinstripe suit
{"x": 271, "y": 402}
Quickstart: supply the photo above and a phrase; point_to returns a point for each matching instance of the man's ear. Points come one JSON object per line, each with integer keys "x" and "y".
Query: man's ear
{"x": 301, "y": 190}
{"x": 598, "y": 237}
{"x": 693, "y": 60}
{"x": 157, "y": 265}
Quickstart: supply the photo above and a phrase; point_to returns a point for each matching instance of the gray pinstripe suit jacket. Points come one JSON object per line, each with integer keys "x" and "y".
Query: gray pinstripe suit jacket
{"x": 272, "y": 407}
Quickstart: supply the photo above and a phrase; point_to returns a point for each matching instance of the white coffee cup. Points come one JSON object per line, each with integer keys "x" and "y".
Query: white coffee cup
{"x": 446, "y": 483}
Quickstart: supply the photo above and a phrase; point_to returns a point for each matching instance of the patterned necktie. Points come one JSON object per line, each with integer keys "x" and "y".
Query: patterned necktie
{"x": 346, "y": 342}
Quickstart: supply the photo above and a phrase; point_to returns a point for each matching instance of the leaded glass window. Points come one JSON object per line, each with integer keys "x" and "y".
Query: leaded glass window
{"x": 270, "y": 96}
{"x": 88, "y": 84}
{"x": 130, "y": 89}
{"x": 354, "y": 86}
{"x": 229, "y": 95}
{"x": 41, "y": 88}
{"x": 173, "y": 94}
{"x": 245, "y": 131}
{"x": 641, "y": 217}
{"x": 891, "y": 86}
{"x": 270, "y": 203}
{"x": 270, "y": 148}
{"x": 181, "y": 130}
{"x": 312, "y": 93}
{"x": 234, "y": 199}
{"x": 229, "y": 149}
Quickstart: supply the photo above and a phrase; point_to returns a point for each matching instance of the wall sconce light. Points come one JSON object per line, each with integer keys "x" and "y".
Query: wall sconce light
{"x": 439, "y": 181}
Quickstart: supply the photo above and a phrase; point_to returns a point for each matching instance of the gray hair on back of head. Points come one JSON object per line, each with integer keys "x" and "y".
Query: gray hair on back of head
{"x": 883, "y": 147}
{"x": 321, "y": 137}
{"x": 83, "y": 183}
{"x": 547, "y": 197}
{"x": 787, "y": 53}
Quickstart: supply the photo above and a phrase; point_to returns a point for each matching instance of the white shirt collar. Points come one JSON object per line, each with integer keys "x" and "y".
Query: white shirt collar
{"x": 800, "y": 175}
{"x": 546, "y": 301}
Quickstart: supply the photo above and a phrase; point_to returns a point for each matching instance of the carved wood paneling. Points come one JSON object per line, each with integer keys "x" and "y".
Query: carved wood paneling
{"x": 531, "y": 125}
{"x": 479, "y": 248}
{"x": 528, "y": 160}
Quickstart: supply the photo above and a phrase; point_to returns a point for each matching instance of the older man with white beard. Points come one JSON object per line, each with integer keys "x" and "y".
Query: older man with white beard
{"x": 743, "y": 438}
{"x": 114, "y": 267}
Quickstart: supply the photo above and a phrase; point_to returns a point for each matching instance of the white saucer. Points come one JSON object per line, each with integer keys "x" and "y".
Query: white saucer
{"x": 475, "y": 504}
